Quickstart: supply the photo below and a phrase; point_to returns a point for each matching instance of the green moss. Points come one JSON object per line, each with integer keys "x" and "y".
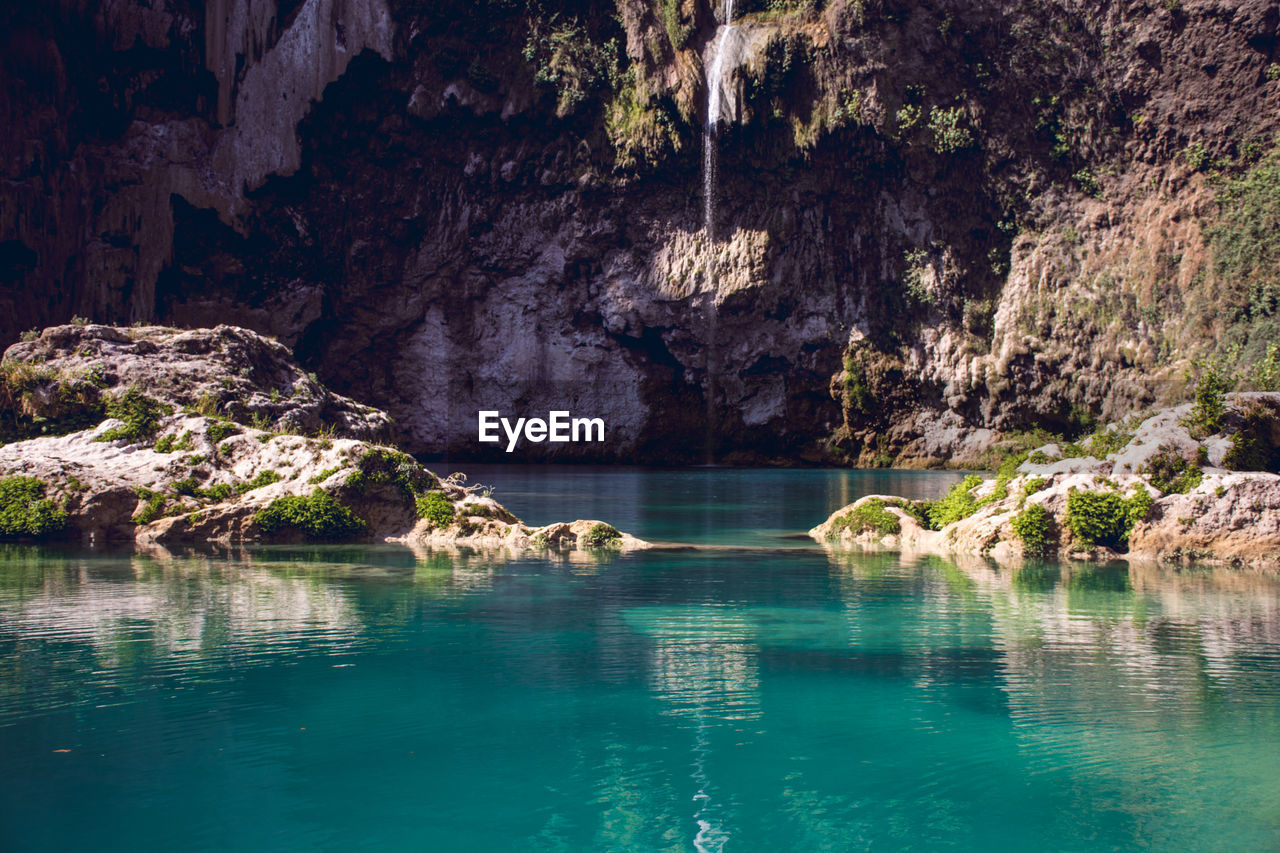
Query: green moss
{"x": 435, "y": 508}
{"x": 1034, "y": 528}
{"x": 317, "y": 516}
{"x": 170, "y": 443}
{"x": 1106, "y": 518}
{"x": 140, "y": 416}
{"x": 262, "y": 478}
{"x": 379, "y": 466}
{"x": 602, "y": 535}
{"x": 221, "y": 429}
{"x": 25, "y": 512}
{"x": 1170, "y": 472}
{"x": 869, "y": 516}
{"x": 324, "y": 475}
{"x": 153, "y": 508}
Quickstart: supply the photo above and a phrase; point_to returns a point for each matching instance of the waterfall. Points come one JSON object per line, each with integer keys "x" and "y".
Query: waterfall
{"x": 710, "y": 167}
{"x": 715, "y": 91}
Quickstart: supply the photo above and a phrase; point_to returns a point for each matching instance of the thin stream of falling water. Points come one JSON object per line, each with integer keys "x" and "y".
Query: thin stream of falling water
{"x": 710, "y": 174}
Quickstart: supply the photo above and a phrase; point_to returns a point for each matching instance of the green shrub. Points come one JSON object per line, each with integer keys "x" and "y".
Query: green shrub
{"x": 153, "y": 508}
{"x": 384, "y": 466}
{"x": 957, "y": 504}
{"x": 602, "y": 535}
{"x": 317, "y": 516}
{"x": 25, "y": 512}
{"x": 1170, "y": 472}
{"x": 170, "y": 443}
{"x": 1088, "y": 183}
{"x": 870, "y": 515}
{"x": 1034, "y": 527}
{"x": 324, "y": 475}
{"x": 1209, "y": 407}
{"x": 222, "y": 429}
{"x": 436, "y": 508}
{"x": 1252, "y": 446}
{"x": 1106, "y": 518}
{"x": 140, "y": 415}
{"x": 262, "y": 478}
{"x": 949, "y": 135}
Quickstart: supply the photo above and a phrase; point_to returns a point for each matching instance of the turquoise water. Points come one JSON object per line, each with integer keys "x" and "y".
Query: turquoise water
{"x": 751, "y": 699}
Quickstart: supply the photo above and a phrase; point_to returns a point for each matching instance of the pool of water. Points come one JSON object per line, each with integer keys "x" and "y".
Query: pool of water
{"x": 753, "y": 699}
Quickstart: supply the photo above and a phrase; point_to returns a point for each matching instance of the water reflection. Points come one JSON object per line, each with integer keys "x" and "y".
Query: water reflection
{"x": 723, "y": 699}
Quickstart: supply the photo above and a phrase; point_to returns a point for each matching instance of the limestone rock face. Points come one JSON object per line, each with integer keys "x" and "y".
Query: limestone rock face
{"x": 226, "y": 370}
{"x": 1216, "y": 515}
{"x": 932, "y": 228}
{"x": 220, "y": 437}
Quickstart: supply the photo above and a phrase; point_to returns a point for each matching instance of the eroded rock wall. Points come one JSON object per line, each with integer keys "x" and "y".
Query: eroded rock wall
{"x": 935, "y": 220}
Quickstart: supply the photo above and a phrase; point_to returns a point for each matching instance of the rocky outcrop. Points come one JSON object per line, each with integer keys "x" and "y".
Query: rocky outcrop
{"x": 214, "y": 435}
{"x": 1144, "y": 491}
{"x": 937, "y": 224}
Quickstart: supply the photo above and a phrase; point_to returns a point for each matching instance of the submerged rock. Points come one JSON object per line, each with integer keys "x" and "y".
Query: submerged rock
{"x": 1145, "y": 491}
{"x": 199, "y": 438}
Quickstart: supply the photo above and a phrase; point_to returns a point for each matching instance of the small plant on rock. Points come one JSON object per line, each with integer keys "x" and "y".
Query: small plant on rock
{"x": 140, "y": 416}
{"x": 1034, "y": 528}
{"x": 318, "y": 517}
{"x": 870, "y": 515}
{"x": 436, "y": 508}
{"x": 1106, "y": 518}
{"x": 25, "y": 512}
{"x": 1206, "y": 414}
{"x": 1171, "y": 472}
{"x": 602, "y": 535}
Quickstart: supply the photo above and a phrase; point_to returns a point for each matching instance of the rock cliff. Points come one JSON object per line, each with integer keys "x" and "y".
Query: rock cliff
{"x": 937, "y": 222}
{"x": 1184, "y": 484}
{"x": 163, "y": 436}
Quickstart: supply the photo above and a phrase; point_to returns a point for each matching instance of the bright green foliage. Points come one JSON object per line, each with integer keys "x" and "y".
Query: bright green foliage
{"x": 221, "y": 429}
{"x": 1206, "y": 414}
{"x": 170, "y": 443}
{"x": 436, "y": 508}
{"x": 324, "y": 475}
{"x": 870, "y": 515}
{"x": 263, "y": 478}
{"x": 191, "y": 486}
{"x": 602, "y": 535}
{"x": 1170, "y": 472}
{"x": 384, "y": 466}
{"x": 957, "y": 504}
{"x": 949, "y": 134}
{"x": 567, "y": 58}
{"x": 1106, "y": 518}
{"x": 140, "y": 415}
{"x": 154, "y": 508}
{"x": 1034, "y": 527}
{"x": 26, "y": 512}
{"x": 1088, "y": 183}
{"x": 317, "y": 516}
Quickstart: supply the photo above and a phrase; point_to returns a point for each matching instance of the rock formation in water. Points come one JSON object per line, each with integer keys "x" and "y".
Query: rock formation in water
{"x": 1192, "y": 483}
{"x": 165, "y": 436}
{"x": 937, "y": 222}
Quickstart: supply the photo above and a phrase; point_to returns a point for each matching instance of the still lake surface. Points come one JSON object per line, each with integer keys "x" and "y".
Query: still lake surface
{"x": 764, "y": 696}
